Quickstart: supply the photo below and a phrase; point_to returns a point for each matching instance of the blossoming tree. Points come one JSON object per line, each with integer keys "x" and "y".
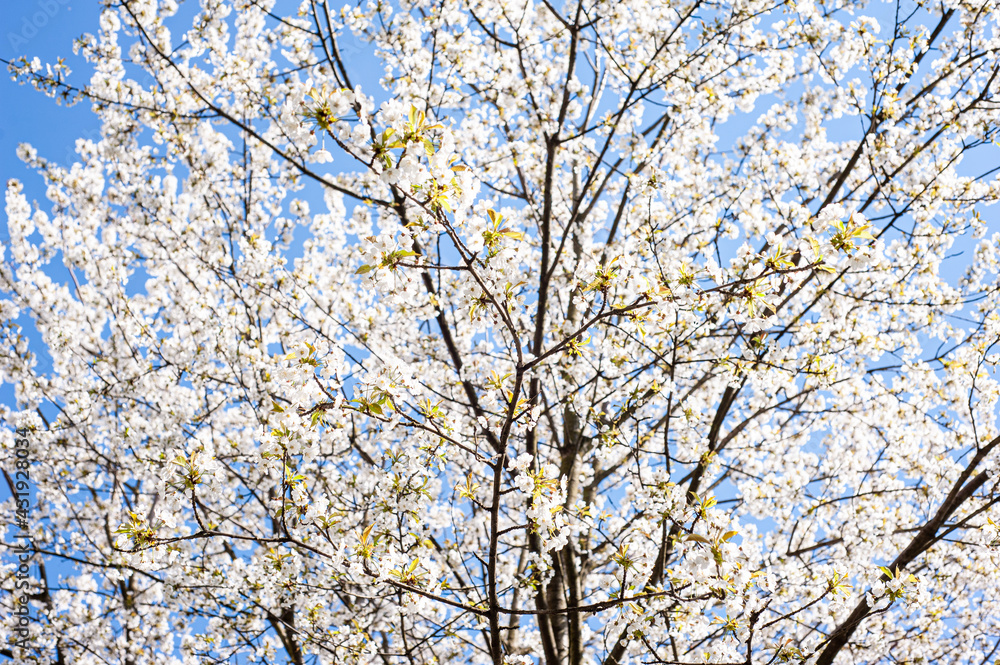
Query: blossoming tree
{"x": 592, "y": 332}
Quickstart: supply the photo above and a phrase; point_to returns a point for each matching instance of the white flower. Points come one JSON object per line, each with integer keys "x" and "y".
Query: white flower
{"x": 521, "y": 462}
{"x": 326, "y": 362}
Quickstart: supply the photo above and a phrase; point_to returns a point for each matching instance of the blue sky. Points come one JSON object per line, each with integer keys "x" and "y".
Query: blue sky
{"x": 43, "y": 28}
{"x": 46, "y": 29}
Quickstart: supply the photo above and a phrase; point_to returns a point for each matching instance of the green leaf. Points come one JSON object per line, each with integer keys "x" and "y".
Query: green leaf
{"x": 815, "y": 247}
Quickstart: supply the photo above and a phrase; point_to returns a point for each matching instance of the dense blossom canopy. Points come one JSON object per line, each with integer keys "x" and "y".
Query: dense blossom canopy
{"x": 597, "y": 331}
